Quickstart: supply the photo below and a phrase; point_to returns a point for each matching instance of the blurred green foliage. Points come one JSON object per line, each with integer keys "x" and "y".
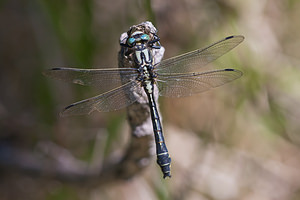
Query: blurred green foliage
{"x": 73, "y": 27}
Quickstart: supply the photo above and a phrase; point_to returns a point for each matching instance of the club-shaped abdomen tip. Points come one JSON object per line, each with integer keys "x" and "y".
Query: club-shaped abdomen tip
{"x": 167, "y": 174}
{"x": 164, "y": 161}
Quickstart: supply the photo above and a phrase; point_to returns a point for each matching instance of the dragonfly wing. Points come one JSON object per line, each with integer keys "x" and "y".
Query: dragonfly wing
{"x": 102, "y": 79}
{"x": 194, "y": 60}
{"x": 181, "y": 85}
{"x": 116, "y": 99}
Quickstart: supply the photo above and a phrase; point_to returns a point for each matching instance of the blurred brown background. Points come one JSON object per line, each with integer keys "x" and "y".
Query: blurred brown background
{"x": 239, "y": 141}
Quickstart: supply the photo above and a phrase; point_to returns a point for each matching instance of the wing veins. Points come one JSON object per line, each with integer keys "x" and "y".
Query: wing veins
{"x": 194, "y": 60}
{"x": 196, "y": 82}
{"x": 115, "y": 99}
{"x": 102, "y": 79}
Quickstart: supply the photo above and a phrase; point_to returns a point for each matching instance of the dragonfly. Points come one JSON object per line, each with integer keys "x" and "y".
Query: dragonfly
{"x": 179, "y": 76}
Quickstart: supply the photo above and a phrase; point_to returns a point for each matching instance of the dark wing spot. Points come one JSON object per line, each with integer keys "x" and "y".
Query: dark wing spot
{"x": 56, "y": 68}
{"x": 69, "y": 106}
{"x": 229, "y": 37}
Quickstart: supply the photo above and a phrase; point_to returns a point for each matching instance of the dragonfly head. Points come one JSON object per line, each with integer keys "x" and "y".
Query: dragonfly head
{"x": 137, "y": 38}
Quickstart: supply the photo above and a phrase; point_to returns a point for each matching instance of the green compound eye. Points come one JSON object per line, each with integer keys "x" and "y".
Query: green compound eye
{"x": 131, "y": 41}
{"x": 145, "y": 37}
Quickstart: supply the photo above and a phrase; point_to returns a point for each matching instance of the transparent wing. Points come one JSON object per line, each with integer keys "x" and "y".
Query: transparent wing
{"x": 102, "y": 79}
{"x": 116, "y": 99}
{"x": 194, "y": 60}
{"x": 181, "y": 85}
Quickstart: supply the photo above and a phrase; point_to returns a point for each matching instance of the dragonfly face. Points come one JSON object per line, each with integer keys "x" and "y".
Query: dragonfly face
{"x": 175, "y": 77}
{"x": 138, "y": 41}
{"x": 137, "y": 37}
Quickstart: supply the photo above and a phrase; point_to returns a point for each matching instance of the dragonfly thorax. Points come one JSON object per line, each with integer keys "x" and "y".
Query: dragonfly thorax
{"x": 144, "y": 60}
{"x": 146, "y": 77}
{"x": 143, "y": 55}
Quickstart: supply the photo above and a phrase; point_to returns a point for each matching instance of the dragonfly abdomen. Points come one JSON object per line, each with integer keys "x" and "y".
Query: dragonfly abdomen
{"x": 163, "y": 157}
